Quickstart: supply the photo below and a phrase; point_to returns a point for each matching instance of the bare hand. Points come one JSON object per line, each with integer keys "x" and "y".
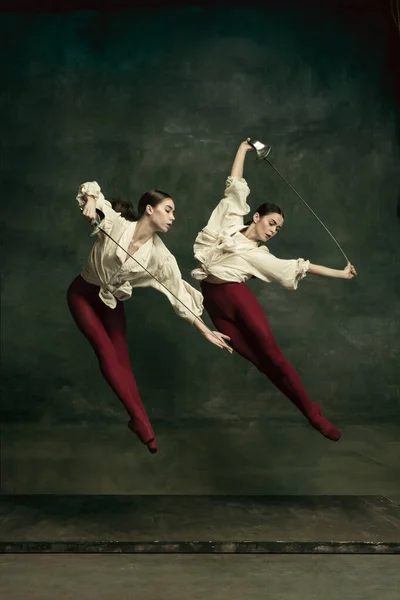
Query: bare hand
{"x": 248, "y": 147}
{"x": 217, "y": 338}
{"x": 349, "y": 271}
{"x": 89, "y": 210}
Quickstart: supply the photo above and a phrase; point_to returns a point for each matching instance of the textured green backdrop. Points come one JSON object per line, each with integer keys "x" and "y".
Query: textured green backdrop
{"x": 162, "y": 99}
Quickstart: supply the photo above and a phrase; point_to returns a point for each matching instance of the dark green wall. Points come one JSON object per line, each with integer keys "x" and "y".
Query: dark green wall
{"x": 162, "y": 99}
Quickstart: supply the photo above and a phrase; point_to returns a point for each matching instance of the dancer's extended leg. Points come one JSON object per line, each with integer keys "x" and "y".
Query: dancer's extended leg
{"x": 115, "y": 325}
{"x": 236, "y": 312}
{"x": 88, "y": 312}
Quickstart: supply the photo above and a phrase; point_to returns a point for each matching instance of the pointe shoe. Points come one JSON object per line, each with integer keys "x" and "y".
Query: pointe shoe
{"x": 321, "y": 424}
{"x": 152, "y": 446}
{"x": 151, "y": 443}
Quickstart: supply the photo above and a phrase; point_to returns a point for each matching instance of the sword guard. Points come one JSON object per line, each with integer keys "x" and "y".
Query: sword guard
{"x": 262, "y": 149}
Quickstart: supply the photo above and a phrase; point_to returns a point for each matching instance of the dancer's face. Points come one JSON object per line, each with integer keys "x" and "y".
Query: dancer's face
{"x": 267, "y": 226}
{"x": 162, "y": 215}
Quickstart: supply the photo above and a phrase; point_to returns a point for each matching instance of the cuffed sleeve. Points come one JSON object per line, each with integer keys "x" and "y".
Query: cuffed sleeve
{"x": 233, "y": 207}
{"x": 92, "y": 188}
{"x": 183, "y": 296}
{"x": 269, "y": 268}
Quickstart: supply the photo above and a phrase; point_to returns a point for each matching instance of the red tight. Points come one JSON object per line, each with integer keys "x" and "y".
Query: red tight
{"x": 236, "y": 312}
{"x": 105, "y": 328}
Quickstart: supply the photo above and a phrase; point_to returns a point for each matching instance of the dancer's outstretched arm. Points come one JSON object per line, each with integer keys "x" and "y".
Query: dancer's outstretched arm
{"x": 347, "y": 273}
{"x": 238, "y": 163}
{"x": 233, "y": 207}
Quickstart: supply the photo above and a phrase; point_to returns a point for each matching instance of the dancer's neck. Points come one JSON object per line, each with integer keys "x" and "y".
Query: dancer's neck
{"x": 250, "y": 233}
{"x": 144, "y": 230}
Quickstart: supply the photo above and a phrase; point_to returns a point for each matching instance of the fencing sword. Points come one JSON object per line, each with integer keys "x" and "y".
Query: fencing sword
{"x": 97, "y": 224}
{"x": 262, "y": 154}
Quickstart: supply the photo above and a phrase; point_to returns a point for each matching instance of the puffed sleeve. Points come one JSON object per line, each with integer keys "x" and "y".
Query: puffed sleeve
{"x": 183, "y": 295}
{"x": 92, "y": 188}
{"x": 233, "y": 207}
{"x": 269, "y": 268}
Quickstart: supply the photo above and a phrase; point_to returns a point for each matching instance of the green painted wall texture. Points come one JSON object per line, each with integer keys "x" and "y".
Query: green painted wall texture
{"x": 162, "y": 99}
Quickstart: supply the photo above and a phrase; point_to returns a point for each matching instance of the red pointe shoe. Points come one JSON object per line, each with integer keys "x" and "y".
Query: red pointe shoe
{"x": 321, "y": 424}
{"x": 151, "y": 443}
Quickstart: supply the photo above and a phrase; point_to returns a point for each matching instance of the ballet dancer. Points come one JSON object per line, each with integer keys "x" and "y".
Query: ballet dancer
{"x": 128, "y": 253}
{"x": 229, "y": 253}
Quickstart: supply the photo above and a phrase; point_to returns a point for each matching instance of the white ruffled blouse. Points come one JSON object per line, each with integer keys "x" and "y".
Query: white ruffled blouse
{"x": 116, "y": 274}
{"x": 223, "y": 251}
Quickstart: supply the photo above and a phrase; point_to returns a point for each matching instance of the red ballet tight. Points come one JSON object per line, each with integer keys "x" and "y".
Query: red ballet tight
{"x": 236, "y": 312}
{"x": 105, "y": 328}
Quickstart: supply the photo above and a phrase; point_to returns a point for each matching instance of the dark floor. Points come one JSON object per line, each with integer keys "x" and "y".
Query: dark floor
{"x": 196, "y": 577}
{"x": 235, "y": 524}
{"x": 261, "y": 456}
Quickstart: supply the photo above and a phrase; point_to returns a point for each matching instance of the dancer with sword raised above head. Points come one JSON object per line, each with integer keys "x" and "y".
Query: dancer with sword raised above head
{"x": 228, "y": 253}
{"x": 128, "y": 253}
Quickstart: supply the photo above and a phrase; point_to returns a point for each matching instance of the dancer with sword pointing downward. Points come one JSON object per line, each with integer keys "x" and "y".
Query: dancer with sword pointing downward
{"x": 128, "y": 254}
{"x": 228, "y": 253}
